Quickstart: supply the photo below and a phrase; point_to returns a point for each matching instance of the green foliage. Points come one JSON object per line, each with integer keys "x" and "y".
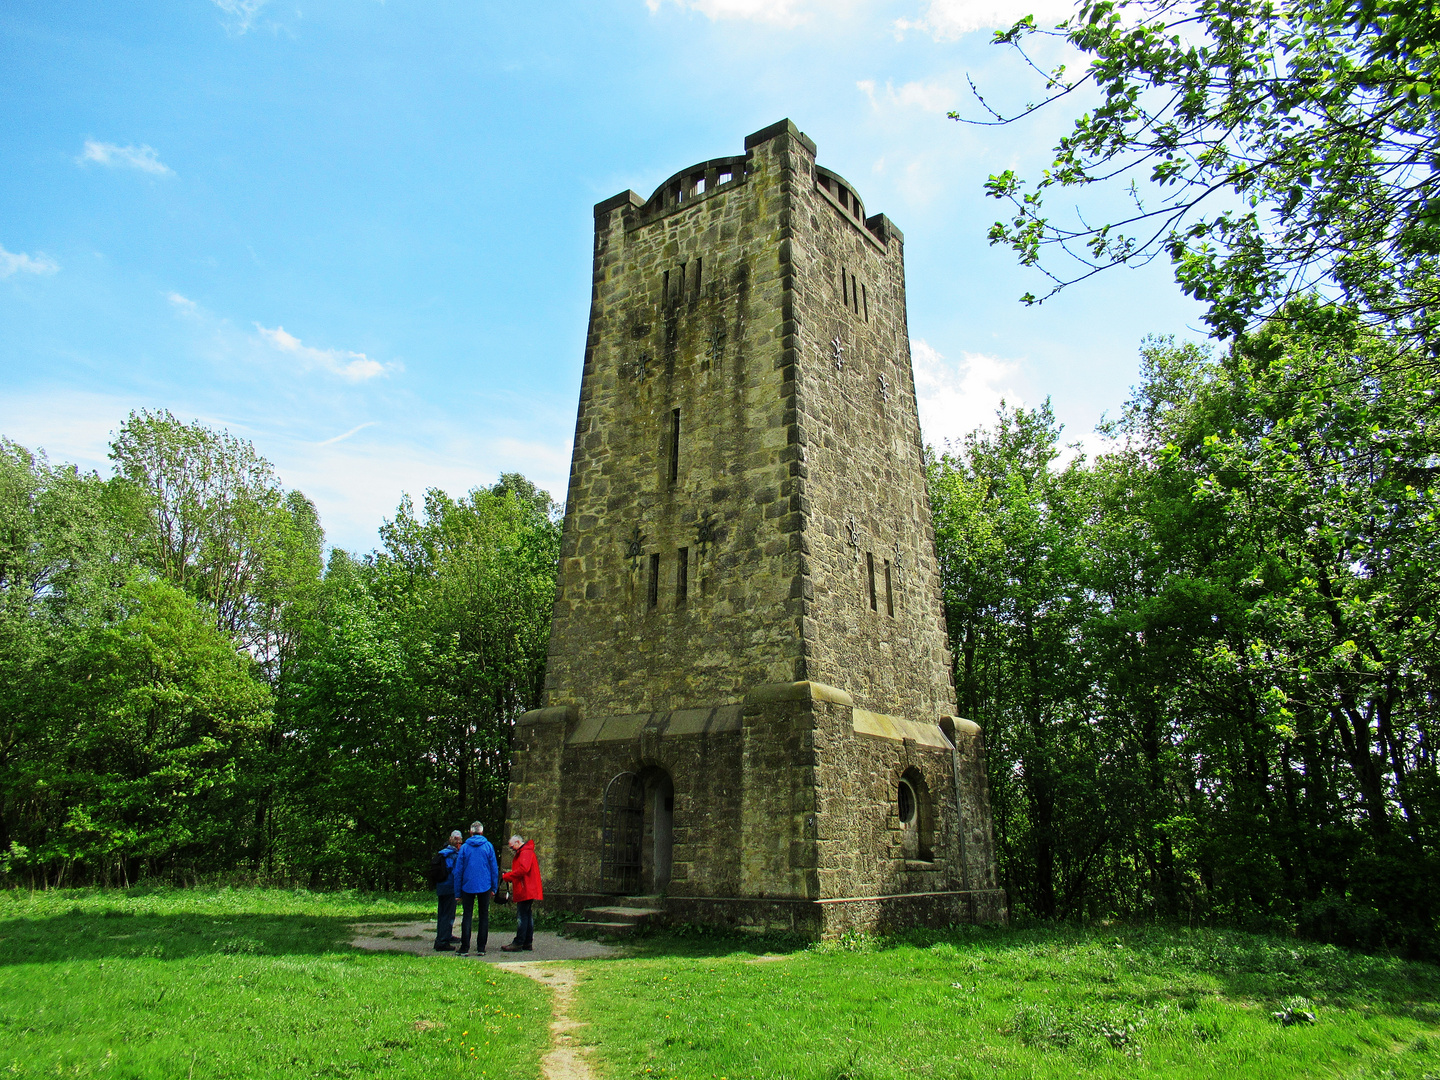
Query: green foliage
{"x": 125, "y": 709}
{"x": 1209, "y": 690}
{"x": 406, "y": 688}
{"x": 185, "y": 688}
{"x": 1007, "y": 530}
{"x": 970, "y": 1002}
{"x": 1268, "y": 149}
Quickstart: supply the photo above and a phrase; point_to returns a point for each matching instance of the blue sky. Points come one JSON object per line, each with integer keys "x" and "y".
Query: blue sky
{"x": 358, "y": 233}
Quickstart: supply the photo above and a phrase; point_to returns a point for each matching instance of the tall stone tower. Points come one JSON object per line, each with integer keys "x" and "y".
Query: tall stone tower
{"x": 750, "y": 709}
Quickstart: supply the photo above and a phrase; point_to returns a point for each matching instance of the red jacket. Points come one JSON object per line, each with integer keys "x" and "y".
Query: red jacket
{"x": 524, "y": 874}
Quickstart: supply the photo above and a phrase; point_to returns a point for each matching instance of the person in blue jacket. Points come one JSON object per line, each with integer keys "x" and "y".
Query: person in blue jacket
{"x": 445, "y": 896}
{"x": 477, "y": 876}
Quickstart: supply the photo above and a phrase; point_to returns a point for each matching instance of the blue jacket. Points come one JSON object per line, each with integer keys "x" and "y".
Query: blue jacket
{"x": 476, "y": 870}
{"x": 448, "y": 885}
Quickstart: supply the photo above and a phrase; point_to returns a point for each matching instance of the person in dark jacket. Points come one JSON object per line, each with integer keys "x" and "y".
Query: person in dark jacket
{"x": 445, "y": 896}
{"x": 477, "y": 875}
{"x": 524, "y": 878}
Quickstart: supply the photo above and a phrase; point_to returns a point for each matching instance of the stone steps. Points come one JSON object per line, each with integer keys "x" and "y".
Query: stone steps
{"x": 615, "y": 920}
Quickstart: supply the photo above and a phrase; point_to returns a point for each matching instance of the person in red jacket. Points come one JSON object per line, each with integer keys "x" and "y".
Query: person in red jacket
{"x": 524, "y": 878}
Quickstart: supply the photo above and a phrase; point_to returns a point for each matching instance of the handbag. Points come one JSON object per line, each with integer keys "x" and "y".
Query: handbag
{"x": 502, "y": 894}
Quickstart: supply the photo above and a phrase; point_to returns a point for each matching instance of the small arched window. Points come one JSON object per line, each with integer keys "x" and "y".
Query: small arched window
{"x": 907, "y": 803}
{"x": 917, "y": 821}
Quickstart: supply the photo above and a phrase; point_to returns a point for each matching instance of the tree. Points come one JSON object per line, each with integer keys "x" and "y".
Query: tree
{"x": 1007, "y": 529}
{"x": 406, "y": 688}
{"x": 123, "y": 710}
{"x": 220, "y": 526}
{"x": 1270, "y": 150}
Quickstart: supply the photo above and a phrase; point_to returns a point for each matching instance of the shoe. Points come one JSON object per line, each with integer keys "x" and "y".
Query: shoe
{"x": 511, "y": 948}
{"x": 479, "y": 952}
{"x": 528, "y": 948}
{"x": 462, "y": 952}
{"x": 445, "y": 948}
{"x": 453, "y": 940}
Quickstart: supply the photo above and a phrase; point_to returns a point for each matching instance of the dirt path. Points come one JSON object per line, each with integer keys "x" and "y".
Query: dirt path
{"x": 566, "y": 1059}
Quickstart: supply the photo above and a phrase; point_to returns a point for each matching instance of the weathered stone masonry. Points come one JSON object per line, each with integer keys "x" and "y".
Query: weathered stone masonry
{"x": 749, "y": 701}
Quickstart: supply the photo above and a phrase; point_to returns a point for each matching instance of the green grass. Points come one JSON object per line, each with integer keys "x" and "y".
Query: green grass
{"x": 257, "y": 983}
{"x": 246, "y": 983}
{"x": 1012, "y": 1004}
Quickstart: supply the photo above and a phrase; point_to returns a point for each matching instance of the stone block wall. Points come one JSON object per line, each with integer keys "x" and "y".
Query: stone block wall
{"x": 748, "y": 604}
{"x": 626, "y": 637}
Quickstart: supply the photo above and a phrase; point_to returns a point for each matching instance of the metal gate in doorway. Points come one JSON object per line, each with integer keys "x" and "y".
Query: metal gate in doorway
{"x": 622, "y": 830}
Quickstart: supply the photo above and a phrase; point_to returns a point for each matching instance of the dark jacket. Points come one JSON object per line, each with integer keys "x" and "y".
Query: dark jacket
{"x": 476, "y": 870}
{"x": 448, "y": 885}
{"x": 524, "y": 874}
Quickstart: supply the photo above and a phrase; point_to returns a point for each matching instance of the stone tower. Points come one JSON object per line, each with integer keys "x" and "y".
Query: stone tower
{"x": 749, "y": 703}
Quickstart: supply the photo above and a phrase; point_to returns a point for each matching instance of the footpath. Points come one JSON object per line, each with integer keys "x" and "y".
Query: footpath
{"x": 566, "y": 1059}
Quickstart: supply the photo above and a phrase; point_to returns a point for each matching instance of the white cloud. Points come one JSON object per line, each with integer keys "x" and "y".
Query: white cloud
{"x": 953, "y": 397}
{"x": 17, "y": 262}
{"x": 242, "y": 13}
{"x": 352, "y": 366}
{"x": 143, "y": 158}
{"x": 183, "y": 303}
{"x": 354, "y": 482}
{"x": 346, "y": 434}
{"x": 785, "y": 12}
{"x": 947, "y": 20}
{"x": 932, "y": 97}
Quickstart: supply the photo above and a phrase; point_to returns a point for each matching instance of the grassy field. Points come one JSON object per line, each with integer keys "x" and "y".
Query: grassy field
{"x": 251, "y": 983}
{"x": 246, "y": 983}
{"x": 1013, "y": 1004}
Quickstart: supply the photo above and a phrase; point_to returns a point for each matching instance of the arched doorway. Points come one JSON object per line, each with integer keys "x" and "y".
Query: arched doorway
{"x": 657, "y": 853}
{"x": 638, "y": 832}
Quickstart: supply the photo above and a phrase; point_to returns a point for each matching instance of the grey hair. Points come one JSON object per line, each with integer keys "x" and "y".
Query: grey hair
{"x": 517, "y": 838}
{"x": 476, "y": 827}
{"x": 454, "y": 833}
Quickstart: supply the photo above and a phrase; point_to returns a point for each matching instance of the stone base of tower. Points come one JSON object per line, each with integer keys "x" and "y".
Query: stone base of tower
{"x": 813, "y": 918}
{"x": 792, "y": 809}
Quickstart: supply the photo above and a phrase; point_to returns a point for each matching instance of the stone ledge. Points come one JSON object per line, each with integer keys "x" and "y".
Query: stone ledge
{"x": 721, "y": 720}
{"x": 555, "y": 715}
{"x": 956, "y": 726}
{"x": 626, "y": 198}
{"x": 880, "y": 726}
{"x": 797, "y": 691}
{"x": 780, "y": 127}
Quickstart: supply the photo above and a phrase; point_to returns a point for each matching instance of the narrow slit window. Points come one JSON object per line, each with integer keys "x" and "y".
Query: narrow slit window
{"x": 682, "y": 576}
{"x": 865, "y": 301}
{"x": 845, "y": 286}
{"x": 854, "y": 299}
{"x": 889, "y": 592}
{"x": 870, "y": 571}
{"x": 680, "y": 281}
{"x": 697, "y": 277}
{"x": 654, "y": 583}
{"x": 665, "y": 289}
{"x": 674, "y": 446}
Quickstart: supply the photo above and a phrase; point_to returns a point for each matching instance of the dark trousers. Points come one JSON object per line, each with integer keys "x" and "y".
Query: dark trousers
{"x": 524, "y": 923}
{"x": 482, "y": 924}
{"x": 444, "y": 918}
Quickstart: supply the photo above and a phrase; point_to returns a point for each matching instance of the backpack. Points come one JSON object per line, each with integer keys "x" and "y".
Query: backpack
{"x": 438, "y": 869}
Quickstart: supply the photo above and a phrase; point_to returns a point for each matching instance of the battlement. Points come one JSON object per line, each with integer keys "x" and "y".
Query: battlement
{"x": 688, "y": 187}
